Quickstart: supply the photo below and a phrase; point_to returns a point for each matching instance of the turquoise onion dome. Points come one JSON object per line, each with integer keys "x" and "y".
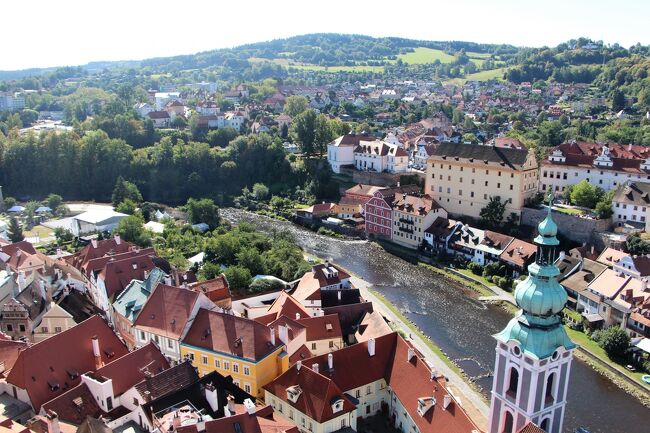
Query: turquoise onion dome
{"x": 547, "y": 230}
{"x": 540, "y": 294}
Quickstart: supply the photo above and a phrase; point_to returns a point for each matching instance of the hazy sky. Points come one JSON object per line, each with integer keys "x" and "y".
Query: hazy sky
{"x": 37, "y": 33}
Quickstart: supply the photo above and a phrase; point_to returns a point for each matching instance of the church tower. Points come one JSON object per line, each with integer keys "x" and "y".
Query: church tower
{"x": 534, "y": 353}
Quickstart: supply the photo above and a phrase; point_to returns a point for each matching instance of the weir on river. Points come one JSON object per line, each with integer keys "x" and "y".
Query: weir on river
{"x": 461, "y": 325}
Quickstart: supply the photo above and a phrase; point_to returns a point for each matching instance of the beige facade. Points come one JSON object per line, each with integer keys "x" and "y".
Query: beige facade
{"x": 463, "y": 177}
{"x": 55, "y": 321}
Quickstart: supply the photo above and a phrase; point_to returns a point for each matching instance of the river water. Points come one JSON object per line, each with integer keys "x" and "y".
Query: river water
{"x": 461, "y": 325}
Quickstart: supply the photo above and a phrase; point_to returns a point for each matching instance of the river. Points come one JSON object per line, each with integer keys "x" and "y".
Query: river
{"x": 461, "y": 325}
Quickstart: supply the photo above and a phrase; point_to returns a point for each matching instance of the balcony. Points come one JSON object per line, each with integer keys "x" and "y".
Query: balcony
{"x": 405, "y": 230}
{"x": 406, "y": 221}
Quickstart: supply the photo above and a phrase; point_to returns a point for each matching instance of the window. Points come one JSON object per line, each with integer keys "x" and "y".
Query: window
{"x": 10, "y": 327}
{"x": 21, "y": 328}
{"x": 513, "y": 383}
{"x": 247, "y": 387}
{"x": 545, "y": 424}
{"x": 57, "y": 329}
{"x": 357, "y": 393}
{"x": 313, "y": 346}
{"x": 190, "y": 356}
{"x": 44, "y": 329}
{"x": 368, "y": 390}
{"x": 331, "y": 344}
{"x": 204, "y": 360}
{"x": 548, "y": 394}
{"x": 217, "y": 363}
{"x": 226, "y": 365}
{"x": 247, "y": 370}
{"x": 235, "y": 367}
{"x": 508, "y": 423}
{"x": 170, "y": 343}
{"x": 109, "y": 403}
{"x": 486, "y": 183}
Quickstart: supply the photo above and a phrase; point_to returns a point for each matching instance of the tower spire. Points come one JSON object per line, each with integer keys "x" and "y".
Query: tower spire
{"x": 534, "y": 352}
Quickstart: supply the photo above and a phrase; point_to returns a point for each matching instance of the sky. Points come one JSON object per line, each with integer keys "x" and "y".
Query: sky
{"x": 42, "y": 33}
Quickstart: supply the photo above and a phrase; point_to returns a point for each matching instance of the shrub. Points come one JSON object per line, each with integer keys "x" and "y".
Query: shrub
{"x": 475, "y": 268}
{"x": 614, "y": 340}
{"x": 265, "y": 285}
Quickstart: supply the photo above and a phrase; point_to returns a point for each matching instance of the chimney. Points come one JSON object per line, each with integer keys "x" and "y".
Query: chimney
{"x": 371, "y": 347}
{"x": 593, "y": 250}
{"x": 52, "y": 422}
{"x": 117, "y": 238}
{"x": 211, "y": 397}
{"x": 410, "y": 354}
{"x": 168, "y": 280}
{"x": 93, "y": 242}
{"x": 562, "y": 255}
{"x": 644, "y": 284}
{"x": 298, "y": 365}
{"x": 283, "y": 332}
{"x": 446, "y": 402}
{"x": 339, "y": 295}
{"x": 330, "y": 361}
{"x": 314, "y": 367}
{"x": 21, "y": 280}
{"x": 297, "y": 316}
{"x": 96, "y": 353}
{"x": 250, "y": 406}
{"x": 273, "y": 336}
{"x": 229, "y": 410}
{"x": 146, "y": 274}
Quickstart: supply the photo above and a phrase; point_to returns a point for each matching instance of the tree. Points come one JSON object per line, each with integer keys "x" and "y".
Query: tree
{"x": 295, "y": 104}
{"x": 260, "y": 191}
{"x": 615, "y": 341}
{"x": 635, "y": 245}
{"x": 238, "y": 277}
{"x": 132, "y": 229}
{"x": 28, "y": 117}
{"x": 618, "y": 100}
{"x": 15, "y": 231}
{"x": 127, "y": 206}
{"x": 63, "y": 235}
{"x": 304, "y": 129}
{"x": 53, "y": 201}
{"x": 468, "y": 124}
{"x": 604, "y": 206}
{"x": 125, "y": 190}
{"x": 203, "y": 211}
{"x": 492, "y": 213}
{"x": 222, "y": 137}
{"x": 586, "y": 195}
{"x": 251, "y": 259}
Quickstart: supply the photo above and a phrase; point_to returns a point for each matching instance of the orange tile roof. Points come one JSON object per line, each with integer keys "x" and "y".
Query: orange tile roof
{"x": 167, "y": 311}
{"x": 216, "y": 289}
{"x": 610, "y": 255}
{"x": 322, "y": 327}
{"x": 287, "y": 305}
{"x": 233, "y": 335}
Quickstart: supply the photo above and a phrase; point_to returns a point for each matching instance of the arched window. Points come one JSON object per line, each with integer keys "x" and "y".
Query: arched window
{"x": 545, "y": 424}
{"x": 508, "y": 423}
{"x": 513, "y": 383}
{"x": 548, "y": 394}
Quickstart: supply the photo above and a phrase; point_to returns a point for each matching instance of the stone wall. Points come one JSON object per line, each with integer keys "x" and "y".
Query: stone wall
{"x": 572, "y": 227}
{"x": 375, "y": 178}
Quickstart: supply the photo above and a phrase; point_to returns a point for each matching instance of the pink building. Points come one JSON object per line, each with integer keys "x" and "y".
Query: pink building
{"x": 378, "y": 210}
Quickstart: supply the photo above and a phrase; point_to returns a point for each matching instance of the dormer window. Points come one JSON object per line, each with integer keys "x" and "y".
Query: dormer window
{"x": 293, "y": 393}
{"x": 337, "y": 404}
{"x": 424, "y": 404}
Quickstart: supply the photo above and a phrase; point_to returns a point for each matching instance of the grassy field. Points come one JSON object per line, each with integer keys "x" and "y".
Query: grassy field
{"x": 287, "y": 63}
{"x": 569, "y": 211}
{"x": 39, "y": 230}
{"x": 492, "y": 74}
{"x": 426, "y": 55}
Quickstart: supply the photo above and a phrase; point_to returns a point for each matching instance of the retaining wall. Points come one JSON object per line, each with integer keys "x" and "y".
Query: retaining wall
{"x": 571, "y": 226}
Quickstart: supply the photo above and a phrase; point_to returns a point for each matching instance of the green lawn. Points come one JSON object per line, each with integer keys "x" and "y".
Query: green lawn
{"x": 480, "y": 289}
{"x": 288, "y": 63}
{"x": 475, "y": 55}
{"x": 426, "y": 55}
{"x": 569, "y": 211}
{"x": 492, "y": 74}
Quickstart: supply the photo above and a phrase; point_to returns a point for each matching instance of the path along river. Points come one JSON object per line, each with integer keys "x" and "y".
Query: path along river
{"x": 461, "y": 325}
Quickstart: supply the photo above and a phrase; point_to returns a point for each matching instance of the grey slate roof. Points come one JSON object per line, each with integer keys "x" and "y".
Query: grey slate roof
{"x": 514, "y": 158}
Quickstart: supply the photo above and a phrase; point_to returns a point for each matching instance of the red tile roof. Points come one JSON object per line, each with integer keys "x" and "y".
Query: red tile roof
{"x": 118, "y": 274}
{"x": 317, "y": 393}
{"x": 167, "y": 311}
{"x": 530, "y": 428}
{"x": 133, "y": 368}
{"x": 322, "y": 327}
{"x": 330, "y": 278}
{"x": 353, "y": 367}
{"x": 300, "y": 355}
{"x": 104, "y": 247}
{"x": 215, "y": 289}
{"x": 264, "y": 421}
{"x": 286, "y": 305}
{"x": 519, "y": 253}
{"x": 37, "y": 371}
{"x": 74, "y": 405}
{"x": 9, "y": 351}
{"x": 226, "y": 333}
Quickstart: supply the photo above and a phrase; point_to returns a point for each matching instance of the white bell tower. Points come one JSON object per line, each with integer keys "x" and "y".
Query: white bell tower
{"x": 534, "y": 353}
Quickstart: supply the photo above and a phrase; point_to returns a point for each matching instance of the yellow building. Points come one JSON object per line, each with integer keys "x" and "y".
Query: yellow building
{"x": 235, "y": 346}
{"x": 412, "y": 215}
{"x": 463, "y": 177}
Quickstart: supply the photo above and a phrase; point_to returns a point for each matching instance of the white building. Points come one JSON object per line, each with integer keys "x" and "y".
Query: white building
{"x": 94, "y": 221}
{"x": 340, "y": 152}
{"x": 631, "y": 203}
{"x": 606, "y": 166}
{"x": 162, "y": 98}
{"x": 12, "y": 101}
{"x": 380, "y": 156}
